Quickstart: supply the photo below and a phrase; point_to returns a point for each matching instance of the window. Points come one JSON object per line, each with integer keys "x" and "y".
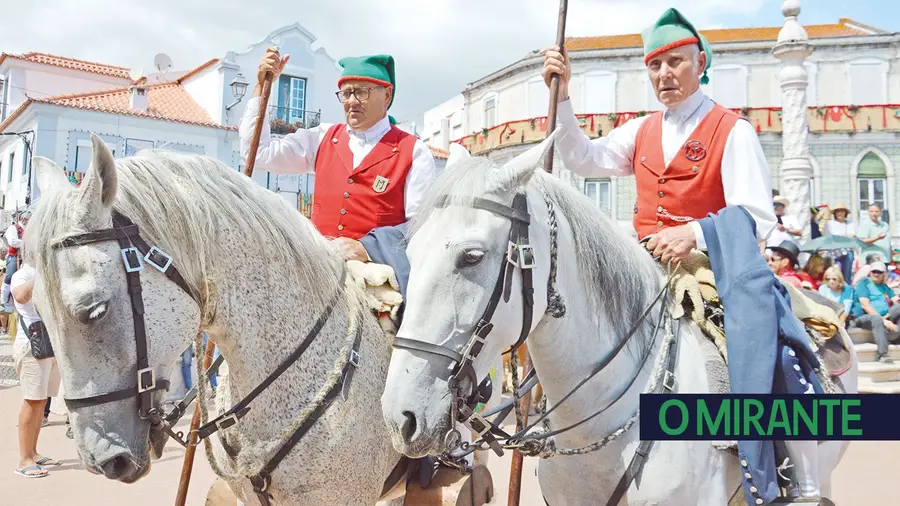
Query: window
{"x": 868, "y": 81}
{"x": 729, "y": 86}
{"x": 291, "y": 99}
{"x": 490, "y": 112}
{"x": 871, "y": 176}
{"x": 12, "y": 166}
{"x": 600, "y": 93}
{"x": 132, "y": 146}
{"x": 812, "y": 75}
{"x": 538, "y": 99}
{"x": 600, "y": 191}
{"x": 82, "y": 158}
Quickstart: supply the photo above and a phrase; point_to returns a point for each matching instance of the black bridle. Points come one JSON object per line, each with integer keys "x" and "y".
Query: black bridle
{"x": 519, "y": 254}
{"x": 135, "y": 251}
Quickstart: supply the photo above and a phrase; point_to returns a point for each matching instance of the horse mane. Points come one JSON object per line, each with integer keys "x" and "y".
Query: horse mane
{"x": 182, "y": 203}
{"x": 611, "y": 265}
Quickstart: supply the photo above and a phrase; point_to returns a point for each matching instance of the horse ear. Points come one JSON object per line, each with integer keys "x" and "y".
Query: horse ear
{"x": 457, "y": 154}
{"x": 49, "y": 176}
{"x": 99, "y": 184}
{"x": 518, "y": 171}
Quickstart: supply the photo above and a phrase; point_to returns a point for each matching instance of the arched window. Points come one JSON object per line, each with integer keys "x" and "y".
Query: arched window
{"x": 871, "y": 179}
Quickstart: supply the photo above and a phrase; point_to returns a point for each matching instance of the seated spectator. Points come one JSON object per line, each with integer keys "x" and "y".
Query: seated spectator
{"x": 813, "y": 272}
{"x": 863, "y": 271}
{"x": 875, "y": 308}
{"x": 836, "y": 289}
{"x": 783, "y": 260}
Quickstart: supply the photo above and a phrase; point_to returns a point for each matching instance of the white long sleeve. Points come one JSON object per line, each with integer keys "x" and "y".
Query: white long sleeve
{"x": 12, "y": 237}
{"x": 296, "y": 153}
{"x": 746, "y": 178}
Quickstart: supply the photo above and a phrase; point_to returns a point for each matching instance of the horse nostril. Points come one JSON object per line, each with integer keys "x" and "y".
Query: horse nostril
{"x": 409, "y": 425}
{"x": 117, "y": 467}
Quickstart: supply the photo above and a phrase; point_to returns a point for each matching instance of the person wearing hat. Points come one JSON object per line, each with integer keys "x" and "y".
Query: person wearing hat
{"x": 787, "y": 228}
{"x": 694, "y": 161}
{"x": 840, "y": 225}
{"x": 783, "y": 262}
{"x": 876, "y": 307}
{"x": 369, "y": 173}
{"x": 693, "y": 158}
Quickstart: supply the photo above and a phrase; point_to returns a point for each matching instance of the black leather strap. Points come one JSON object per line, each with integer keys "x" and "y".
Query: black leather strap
{"x": 118, "y": 395}
{"x": 434, "y": 349}
{"x": 239, "y": 410}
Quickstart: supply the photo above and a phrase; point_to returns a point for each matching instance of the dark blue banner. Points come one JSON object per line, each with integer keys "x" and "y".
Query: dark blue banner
{"x": 864, "y": 417}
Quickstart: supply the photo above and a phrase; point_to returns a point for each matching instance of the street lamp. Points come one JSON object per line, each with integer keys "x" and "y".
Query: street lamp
{"x": 238, "y": 89}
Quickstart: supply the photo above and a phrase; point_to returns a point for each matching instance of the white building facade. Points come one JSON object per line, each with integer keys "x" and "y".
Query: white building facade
{"x": 854, "y": 89}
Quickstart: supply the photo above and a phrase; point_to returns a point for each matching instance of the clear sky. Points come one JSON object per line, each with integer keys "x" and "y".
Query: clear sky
{"x": 439, "y": 45}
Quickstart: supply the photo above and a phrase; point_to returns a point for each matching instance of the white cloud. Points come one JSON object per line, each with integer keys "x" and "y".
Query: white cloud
{"x": 440, "y": 45}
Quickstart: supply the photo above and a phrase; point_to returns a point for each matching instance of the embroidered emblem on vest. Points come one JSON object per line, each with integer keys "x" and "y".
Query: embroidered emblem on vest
{"x": 380, "y": 184}
{"x": 694, "y": 151}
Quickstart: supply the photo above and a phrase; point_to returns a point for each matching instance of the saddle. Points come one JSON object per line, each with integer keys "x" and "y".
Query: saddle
{"x": 695, "y": 295}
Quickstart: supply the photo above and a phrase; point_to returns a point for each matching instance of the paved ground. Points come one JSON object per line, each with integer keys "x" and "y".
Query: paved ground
{"x": 866, "y": 477}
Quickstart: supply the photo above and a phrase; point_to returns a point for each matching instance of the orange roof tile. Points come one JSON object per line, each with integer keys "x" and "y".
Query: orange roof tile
{"x": 165, "y": 101}
{"x": 439, "y": 153}
{"x": 197, "y": 70}
{"x": 844, "y": 28}
{"x": 70, "y": 63}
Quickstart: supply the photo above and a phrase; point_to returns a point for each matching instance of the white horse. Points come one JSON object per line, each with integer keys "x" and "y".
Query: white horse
{"x": 257, "y": 275}
{"x": 606, "y": 281}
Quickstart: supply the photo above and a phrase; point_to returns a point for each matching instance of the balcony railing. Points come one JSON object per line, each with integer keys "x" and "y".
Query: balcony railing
{"x": 287, "y": 120}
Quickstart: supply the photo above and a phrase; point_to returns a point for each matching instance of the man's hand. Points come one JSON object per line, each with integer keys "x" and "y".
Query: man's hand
{"x": 270, "y": 62}
{"x": 350, "y": 249}
{"x": 556, "y": 62}
{"x": 673, "y": 243}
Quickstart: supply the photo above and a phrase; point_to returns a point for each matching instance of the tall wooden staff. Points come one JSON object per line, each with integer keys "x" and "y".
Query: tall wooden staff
{"x": 188, "y": 465}
{"x": 515, "y": 472}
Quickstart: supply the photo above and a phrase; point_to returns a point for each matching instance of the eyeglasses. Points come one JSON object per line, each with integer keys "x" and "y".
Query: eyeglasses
{"x": 877, "y": 272}
{"x": 832, "y": 279}
{"x": 361, "y": 94}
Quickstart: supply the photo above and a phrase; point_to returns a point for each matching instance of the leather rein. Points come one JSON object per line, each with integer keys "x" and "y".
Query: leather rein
{"x": 135, "y": 252}
{"x": 520, "y": 254}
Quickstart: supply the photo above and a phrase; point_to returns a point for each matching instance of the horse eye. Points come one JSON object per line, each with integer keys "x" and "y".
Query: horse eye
{"x": 471, "y": 257}
{"x": 94, "y": 313}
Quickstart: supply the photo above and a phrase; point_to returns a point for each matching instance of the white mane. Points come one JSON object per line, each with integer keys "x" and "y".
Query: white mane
{"x": 181, "y": 203}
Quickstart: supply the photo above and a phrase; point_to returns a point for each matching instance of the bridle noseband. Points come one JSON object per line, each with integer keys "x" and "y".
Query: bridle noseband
{"x": 135, "y": 252}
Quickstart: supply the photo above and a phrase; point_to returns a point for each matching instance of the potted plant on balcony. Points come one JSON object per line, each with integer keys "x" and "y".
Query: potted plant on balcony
{"x": 281, "y": 127}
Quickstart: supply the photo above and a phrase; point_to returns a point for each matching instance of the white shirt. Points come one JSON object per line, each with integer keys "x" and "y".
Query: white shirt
{"x": 778, "y": 236}
{"x": 296, "y": 153}
{"x": 27, "y": 311}
{"x": 834, "y": 227}
{"x": 12, "y": 237}
{"x": 746, "y": 178}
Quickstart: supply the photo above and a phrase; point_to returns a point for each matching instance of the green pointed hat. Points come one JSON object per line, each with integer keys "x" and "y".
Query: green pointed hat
{"x": 673, "y": 30}
{"x": 377, "y": 69}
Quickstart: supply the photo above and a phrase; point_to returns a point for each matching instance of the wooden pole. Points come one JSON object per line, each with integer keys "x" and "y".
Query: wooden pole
{"x": 515, "y": 472}
{"x": 187, "y": 466}
{"x": 260, "y": 117}
{"x": 554, "y": 81}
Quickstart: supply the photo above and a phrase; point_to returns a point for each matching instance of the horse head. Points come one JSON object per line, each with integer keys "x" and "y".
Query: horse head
{"x": 93, "y": 317}
{"x": 458, "y": 246}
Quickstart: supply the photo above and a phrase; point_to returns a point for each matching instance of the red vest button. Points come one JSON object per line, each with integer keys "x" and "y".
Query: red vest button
{"x": 346, "y": 195}
{"x": 662, "y": 180}
{"x": 340, "y": 227}
{"x": 349, "y": 181}
{"x": 343, "y": 211}
{"x": 661, "y": 194}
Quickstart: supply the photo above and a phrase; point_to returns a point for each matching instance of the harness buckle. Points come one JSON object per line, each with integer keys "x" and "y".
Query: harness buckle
{"x": 512, "y": 253}
{"x": 354, "y": 358}
{"x": 227, "y": 422}
{"x": 669, "y": 381}
{"x": 470, "y": 346}
{"x": 146, "y": 380}
{"x": 132, "y": 258}
{"x": 477, "y": 423}
{"x": 158, "y": 258}
{"x": 526, "y": 257}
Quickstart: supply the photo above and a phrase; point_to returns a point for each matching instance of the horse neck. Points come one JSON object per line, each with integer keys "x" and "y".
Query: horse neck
{"x": 260, "y": 319}
{"x": 567, "y": 350}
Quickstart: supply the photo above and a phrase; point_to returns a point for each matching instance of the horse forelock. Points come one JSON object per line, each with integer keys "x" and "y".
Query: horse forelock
{"x": 181, "y": 203}
{"x": 618, "y": 276}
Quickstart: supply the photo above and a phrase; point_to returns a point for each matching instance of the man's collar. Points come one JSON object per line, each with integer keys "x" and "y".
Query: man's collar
{"x": 684, "y": 110}
{"x": 375, "y": 132}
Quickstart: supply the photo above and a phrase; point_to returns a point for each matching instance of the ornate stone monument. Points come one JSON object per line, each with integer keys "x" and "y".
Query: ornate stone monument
{"x": 792, "y": 48}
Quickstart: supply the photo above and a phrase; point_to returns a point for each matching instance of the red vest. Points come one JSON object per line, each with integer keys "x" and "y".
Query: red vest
{"x": 348, "y": 201}
{"x": 15, "y": 251}
{"x": 691, "y": 186}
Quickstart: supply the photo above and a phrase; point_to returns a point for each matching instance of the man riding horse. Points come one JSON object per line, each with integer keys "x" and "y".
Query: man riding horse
{"x": 370, "y": 175}
{"x": 699, "y": 166}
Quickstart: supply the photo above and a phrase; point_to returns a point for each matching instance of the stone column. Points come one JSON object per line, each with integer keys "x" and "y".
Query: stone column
{"x": 792, "y": 48}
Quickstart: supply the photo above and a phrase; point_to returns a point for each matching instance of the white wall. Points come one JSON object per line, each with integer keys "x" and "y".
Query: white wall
{"x": 206, "y": 89}
{"x": 430, "y": 131}
{"x": 41, "y": 81}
